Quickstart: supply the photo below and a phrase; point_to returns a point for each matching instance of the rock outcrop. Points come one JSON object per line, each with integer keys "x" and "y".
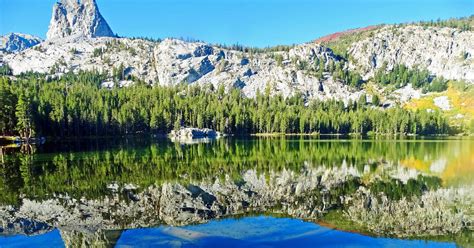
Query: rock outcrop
{"x": 445, "y": 52}
{"x": 16, "y": 42}
{"x": 193, "y": 133}
{"x": 77, "y": 17}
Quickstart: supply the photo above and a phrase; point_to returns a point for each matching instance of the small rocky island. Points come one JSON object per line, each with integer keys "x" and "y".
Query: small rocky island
{"x": 193, "y": 135}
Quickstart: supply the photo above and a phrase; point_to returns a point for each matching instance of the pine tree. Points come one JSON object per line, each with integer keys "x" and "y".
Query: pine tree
{"x": 7, "y": 111}
{"x": 24, "y": 117}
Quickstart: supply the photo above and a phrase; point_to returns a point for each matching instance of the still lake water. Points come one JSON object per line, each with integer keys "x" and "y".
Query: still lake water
{"x": 86, "y": 169}
{"x": 259, "y": 231}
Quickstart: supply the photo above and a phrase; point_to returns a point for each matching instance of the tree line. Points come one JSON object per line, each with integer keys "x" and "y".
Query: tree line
{"x": 463, "y": 23}
{"x": 77, "y": 105}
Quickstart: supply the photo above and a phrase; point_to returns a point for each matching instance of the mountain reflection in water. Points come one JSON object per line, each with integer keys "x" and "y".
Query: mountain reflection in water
{"x": 97, "y": 186}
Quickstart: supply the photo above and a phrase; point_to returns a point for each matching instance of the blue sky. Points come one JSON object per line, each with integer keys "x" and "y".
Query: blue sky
{"x": 248, "y": 22}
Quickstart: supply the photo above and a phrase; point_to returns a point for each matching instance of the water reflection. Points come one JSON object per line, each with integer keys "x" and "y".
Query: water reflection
{"x": 261, "y": 231}
{"x": 85, "y": 168}
{"x": 95, "y": 186}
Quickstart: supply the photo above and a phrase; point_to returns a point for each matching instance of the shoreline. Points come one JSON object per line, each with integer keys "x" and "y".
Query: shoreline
{"x": 8, "y": 140}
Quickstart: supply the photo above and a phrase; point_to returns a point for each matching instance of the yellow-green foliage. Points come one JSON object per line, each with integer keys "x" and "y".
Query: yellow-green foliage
{"x": 461, "y": 100}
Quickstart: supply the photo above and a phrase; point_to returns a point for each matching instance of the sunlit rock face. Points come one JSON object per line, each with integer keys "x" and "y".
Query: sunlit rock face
{"x": 77, "y": 17}
{"x": 171, "y": 62}
{"x": 445, "y": 52}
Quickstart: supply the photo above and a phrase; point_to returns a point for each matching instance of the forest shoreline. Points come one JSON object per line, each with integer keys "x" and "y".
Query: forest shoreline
{"x": 8, "y": 140}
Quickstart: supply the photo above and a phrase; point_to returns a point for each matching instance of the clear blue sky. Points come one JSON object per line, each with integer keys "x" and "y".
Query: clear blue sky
{"x": 247, "y": 22}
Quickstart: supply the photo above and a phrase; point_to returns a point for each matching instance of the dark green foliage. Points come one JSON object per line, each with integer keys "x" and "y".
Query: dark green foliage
{"x": 119, "y": 73}
{"x": 354, "y": 79}
{"x": 5, "y": 70}
{"x": 150, "y": 39}
{"x": 279, "y": 59}
{"x": 395, "y": 189}
{"x": 437, "y": 85}
{"x": 347, "y": 187}
{"x": 254, "y": 50}
{"x": 375, "y": 100}
{"x": 24, "y": 116}
{"x": 401, "y": 75}
{"x": 98, "y": 52}
{"x": 7, "y": 109}
{"x": 337, "y": 69}
{"x": 76, "y": 105}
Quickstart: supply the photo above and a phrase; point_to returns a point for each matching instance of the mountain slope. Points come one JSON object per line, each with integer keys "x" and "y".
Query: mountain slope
{"x": 172, "y": 61}
{"x": 75, "y": 43}
{"x": 445, "y": 52}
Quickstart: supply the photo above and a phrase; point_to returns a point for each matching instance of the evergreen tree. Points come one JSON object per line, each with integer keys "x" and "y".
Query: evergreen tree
{"x": 7, "y": 109}
{"x": 24, "y": 116}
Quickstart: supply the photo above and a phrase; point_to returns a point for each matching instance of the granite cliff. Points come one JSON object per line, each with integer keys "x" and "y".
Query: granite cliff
{"x": 77, "y": 17}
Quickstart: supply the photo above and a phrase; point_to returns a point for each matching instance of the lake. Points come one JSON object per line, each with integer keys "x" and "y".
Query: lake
{"x": 253, "y": 192}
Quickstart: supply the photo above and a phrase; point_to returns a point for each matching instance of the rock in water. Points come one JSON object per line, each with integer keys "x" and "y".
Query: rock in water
{"x": 16, "y": 42}
{"x": 194, "y": 133}
{"x": 77, "y": 17}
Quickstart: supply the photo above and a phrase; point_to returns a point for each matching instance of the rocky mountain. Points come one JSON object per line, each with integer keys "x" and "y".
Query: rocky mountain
{"x": 75, "y": 42}
{"x": 173, "y": 61}
{"x": 77, "y": 17}
{"x": 16, "y": 42}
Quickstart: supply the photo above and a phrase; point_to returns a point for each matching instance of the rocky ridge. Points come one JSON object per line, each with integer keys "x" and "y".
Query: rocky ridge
{"x": 79, "y": 38}
{"x": 173, "y": 61}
